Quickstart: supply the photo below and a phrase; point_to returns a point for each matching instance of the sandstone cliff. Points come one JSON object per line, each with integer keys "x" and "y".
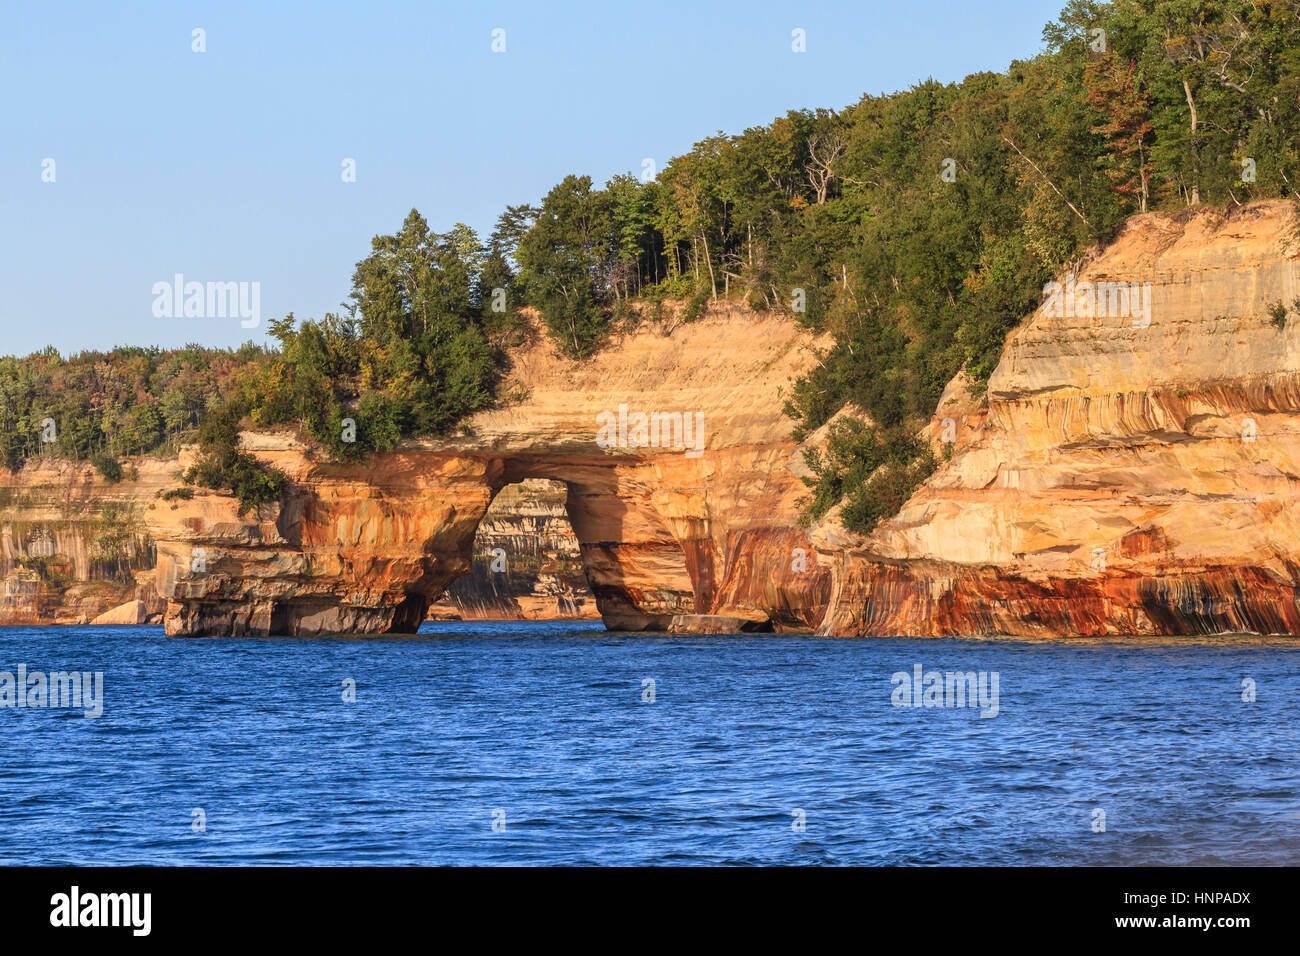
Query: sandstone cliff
{"x": 527, "y": 563}
{"x": 74, "y": 549}
{"x": 1123, "y": 475}
{"x": 73, "y": 545}
{"x": 666, "y": 525}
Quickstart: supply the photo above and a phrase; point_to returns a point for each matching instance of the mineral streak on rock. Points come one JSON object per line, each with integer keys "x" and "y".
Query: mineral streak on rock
{"x": 527, "y": 563}
{"x": 1120, "y": 474}
{"x": 660, "y": 532}
{"x": 73, "y": 545}
{"x": 1117, "y": 478}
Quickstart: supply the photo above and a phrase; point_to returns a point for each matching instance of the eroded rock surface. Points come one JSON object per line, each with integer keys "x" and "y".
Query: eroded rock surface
{"x": 1118, "y": 478}
{"x": 666, "y": 529}
{"x": 527, "y": 563}
{"x": 73, "y": 545}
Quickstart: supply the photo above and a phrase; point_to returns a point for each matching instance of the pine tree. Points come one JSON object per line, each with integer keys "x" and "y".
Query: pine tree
{"x": 1115, "y": 93}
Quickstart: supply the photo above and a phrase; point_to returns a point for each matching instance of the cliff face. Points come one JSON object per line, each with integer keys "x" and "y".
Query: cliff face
{"x": 680, "y": 486}
{"x": 73, "y": 545}
{"x": 1124, "y": 474}
{"x": 1130, "y": 469}
{"x": 74, "y": 549}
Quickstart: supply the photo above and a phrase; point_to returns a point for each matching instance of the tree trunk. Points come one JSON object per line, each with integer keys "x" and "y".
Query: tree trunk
{"x": 713, "y": 280}
{"x": 1142, "y": 171}
{"x": 1196, "y": 152}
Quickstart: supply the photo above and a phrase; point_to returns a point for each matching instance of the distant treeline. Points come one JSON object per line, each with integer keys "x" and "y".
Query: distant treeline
{"x": 916, "y": 228}
{"x": 104, "y": 405}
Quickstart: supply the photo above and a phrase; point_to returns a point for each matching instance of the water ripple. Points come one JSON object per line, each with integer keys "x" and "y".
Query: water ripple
{"x": 532, "y": 744}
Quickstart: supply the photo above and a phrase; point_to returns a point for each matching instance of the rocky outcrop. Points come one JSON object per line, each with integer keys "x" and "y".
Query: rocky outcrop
{"x": 132, "y": 612}
{"x": 689, "y": 511}
{"x": 1123, "y": 474}
{"x": 1131, "y": 468}
{"x": 74, "y": 548}
{"x": 714, "y": 624}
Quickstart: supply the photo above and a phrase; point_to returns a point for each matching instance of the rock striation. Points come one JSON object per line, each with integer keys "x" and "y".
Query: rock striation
{"x": 1123, "y": 475}
{"x": 527, "y": 563}
{"x": 1131, "y": 468}
{"x": 668, "y": 521}
{"x": 73, "y": 545}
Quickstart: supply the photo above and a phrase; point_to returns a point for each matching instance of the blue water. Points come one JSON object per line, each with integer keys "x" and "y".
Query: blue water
{"x": 546, "y": 724}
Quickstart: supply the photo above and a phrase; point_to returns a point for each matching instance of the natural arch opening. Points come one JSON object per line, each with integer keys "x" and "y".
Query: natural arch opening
{"x": 526, "y": 564}
{"x": 636, "y": 563}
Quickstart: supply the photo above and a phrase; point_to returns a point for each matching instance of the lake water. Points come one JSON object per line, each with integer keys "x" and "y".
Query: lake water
{"x": 548, "y": 731}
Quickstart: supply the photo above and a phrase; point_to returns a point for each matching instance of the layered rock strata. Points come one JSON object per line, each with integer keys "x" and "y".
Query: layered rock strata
{"x": 1124, "y": 474}
{"x": 1130, "y": 469}
{"x": 527, "y": 563}
{"x": 73, "y": 545}
{"x": 680, "y": 478}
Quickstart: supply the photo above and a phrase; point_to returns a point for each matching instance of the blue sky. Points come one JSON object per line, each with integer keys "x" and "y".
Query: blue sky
{"x": 225, "y": 165}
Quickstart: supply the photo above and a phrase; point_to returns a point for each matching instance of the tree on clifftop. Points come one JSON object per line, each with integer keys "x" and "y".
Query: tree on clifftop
{"x": 562, "y": 260}
{"x": 1125, "y": 111}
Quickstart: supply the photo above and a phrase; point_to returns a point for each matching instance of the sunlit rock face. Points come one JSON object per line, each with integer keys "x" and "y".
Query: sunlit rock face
{"x": 691, "y": 509}
{"x": 1124, "y": 474}
{"x": 1130, "y": 469}
{"x": 74, "y": 545}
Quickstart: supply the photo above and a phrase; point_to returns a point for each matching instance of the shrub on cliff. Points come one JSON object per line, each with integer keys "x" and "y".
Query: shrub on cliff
{"x": 872, "y": 470}
{"x": 222, "y": 465}
{"x": 1277, "y": 314}
{"x": 108, "y": 466}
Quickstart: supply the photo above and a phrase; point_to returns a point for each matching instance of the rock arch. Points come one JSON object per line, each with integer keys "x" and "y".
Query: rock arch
{"x": 663, "y": 530}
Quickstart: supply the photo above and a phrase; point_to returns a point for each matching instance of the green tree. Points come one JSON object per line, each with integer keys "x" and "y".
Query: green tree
{"x": 563, "y": 260}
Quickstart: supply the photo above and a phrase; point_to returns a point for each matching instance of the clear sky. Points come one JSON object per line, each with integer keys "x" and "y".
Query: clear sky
{"x": 226, "y": 165}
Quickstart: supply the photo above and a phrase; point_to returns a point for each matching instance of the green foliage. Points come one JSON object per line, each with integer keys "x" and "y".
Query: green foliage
{"x": 914, "y": 229}
{"x": 1134, "y": 105}
{"x": 222, "y": 465}
{"x": 563, "y": 259}
{"x": 421, "y": 340}
{"x": 1277, "y": 315}
{"x": 695, "y": 304}
{"x": 108, "y": 466}
{"x": 872, "y": 471}
{"x": 108, "y": 405}
{"x": 114, "y": 546}
{"x": 412, "y": 358}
